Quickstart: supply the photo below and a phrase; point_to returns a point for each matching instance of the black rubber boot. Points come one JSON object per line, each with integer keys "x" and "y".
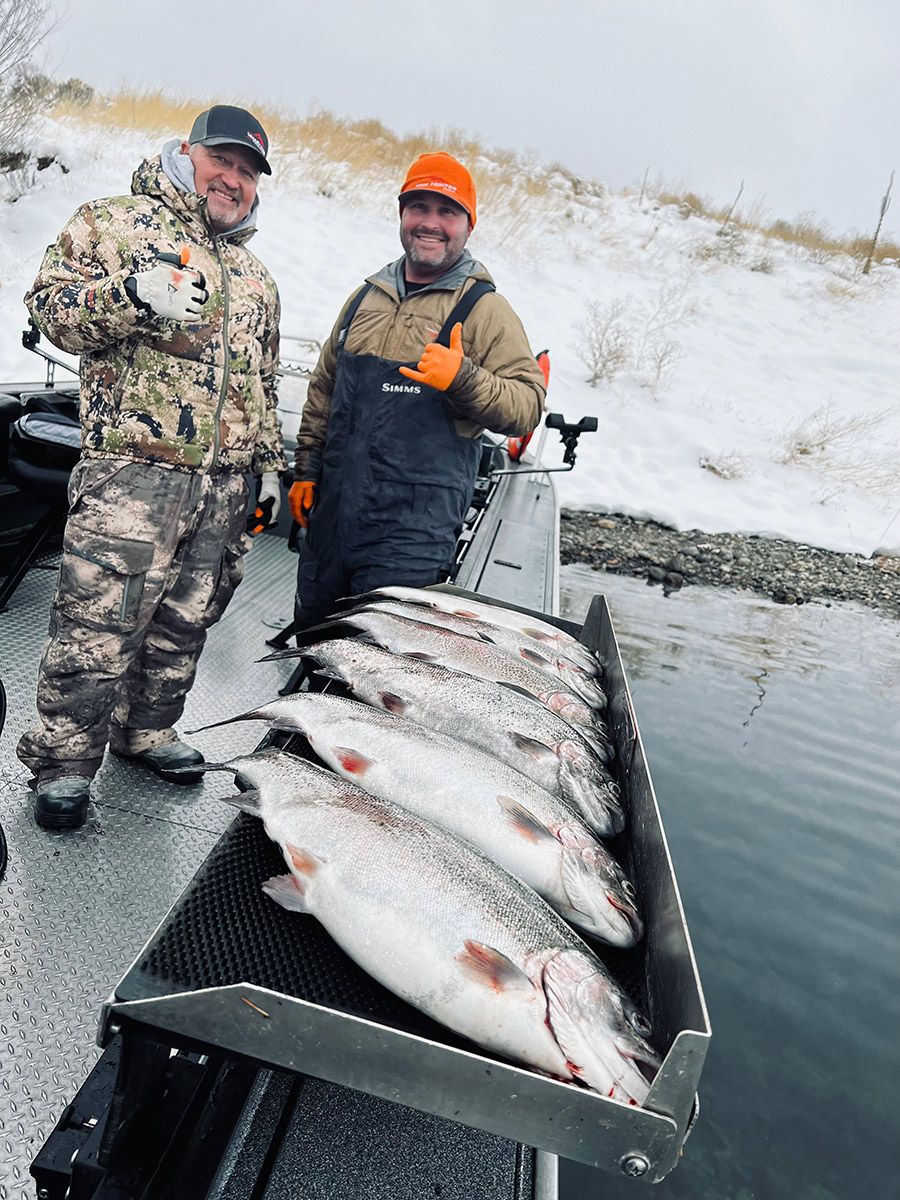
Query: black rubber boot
{"x": 62, "y": 803}
{"x": 167, "y": 761}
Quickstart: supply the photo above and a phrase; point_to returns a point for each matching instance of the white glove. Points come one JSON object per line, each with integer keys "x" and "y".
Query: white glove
{"x": 270, "y": 489}
{"x": 266, "y": 512}
{"x": 172, "y": 292}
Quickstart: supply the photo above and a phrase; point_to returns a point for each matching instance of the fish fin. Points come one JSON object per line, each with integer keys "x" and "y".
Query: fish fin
{"x": 248, "y": 801}
{"x": 393, "y": 703}
{"x": 515, "y": 687}
{"x": 522, "y": 821}
{"x": 303, "y": 861}
{"x": 421, "y": 656}
{"x": 339, "y": 627}
{"x": 359, "y": 599}
{"x": 285, "y": 890}
{"x": 539, "y": 635}
{"x": 351, "y": 760}
{"x": 330, "y": 673}
{"x": 253, "y": 715}
{"x": 530, "y": 746}
{"x": 491, "y": 969}
{"x": 532, "y": 656}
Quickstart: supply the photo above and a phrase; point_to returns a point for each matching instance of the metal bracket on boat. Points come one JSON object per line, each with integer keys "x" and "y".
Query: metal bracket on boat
{"x": 569, "y": 435}
{"x": 31, "y": 338}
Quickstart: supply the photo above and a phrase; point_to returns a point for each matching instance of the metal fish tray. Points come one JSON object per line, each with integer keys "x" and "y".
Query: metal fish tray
{"x": 229, "y": 969}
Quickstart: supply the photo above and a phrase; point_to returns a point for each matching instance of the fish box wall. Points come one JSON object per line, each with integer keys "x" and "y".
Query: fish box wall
{"x": 225, "y": 954}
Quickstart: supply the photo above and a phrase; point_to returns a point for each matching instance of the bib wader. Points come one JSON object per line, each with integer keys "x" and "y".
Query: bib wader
{"x": 396, "y": 480}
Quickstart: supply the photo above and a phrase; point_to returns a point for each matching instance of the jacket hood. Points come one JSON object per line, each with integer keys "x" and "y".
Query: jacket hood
{"x": 170, "y": 178}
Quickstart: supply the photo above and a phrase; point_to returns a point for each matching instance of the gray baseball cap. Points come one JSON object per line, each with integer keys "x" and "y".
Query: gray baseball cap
{"x": 222, "y": 124}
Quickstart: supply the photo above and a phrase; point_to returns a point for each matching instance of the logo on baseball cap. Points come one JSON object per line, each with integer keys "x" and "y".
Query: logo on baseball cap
{"x": 223, "y": 124}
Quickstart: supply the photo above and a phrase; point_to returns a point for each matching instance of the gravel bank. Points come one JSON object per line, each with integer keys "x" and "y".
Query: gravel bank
{"x": 786, "y": 572}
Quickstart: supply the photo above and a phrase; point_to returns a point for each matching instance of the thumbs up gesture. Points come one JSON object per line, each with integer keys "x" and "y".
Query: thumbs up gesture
{"x": 439, "y": 365}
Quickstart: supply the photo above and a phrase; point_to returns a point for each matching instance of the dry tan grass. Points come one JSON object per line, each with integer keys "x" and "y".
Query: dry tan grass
{"x": 327, "y": 148}
{"x": 805, "y": 231}
{"x": 838, "y": 448}
{"x": 366, "y": 146}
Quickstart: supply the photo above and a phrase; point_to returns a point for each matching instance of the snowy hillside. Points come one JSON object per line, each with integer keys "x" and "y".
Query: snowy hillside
{"x": 743, "y": 386}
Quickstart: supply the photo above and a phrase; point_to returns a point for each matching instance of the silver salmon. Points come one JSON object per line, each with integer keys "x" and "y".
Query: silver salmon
{"x": 469, "y": 655}
{"x": 539, "y": 654}
{"x": 533, "y": 834}
{"x": 495, "y": 614}
{"x": 446, "y": 929}
{"x": 515, "y": 728}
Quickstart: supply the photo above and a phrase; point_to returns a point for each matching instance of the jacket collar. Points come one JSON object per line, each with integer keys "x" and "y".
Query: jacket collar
{"x": 393, "y": 276}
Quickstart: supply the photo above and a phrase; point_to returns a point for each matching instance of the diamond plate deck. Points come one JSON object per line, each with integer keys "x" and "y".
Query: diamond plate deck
{"x": 76, "y": 907}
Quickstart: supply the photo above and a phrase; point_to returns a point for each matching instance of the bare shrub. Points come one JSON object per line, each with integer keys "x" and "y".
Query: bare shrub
{"x": 625, "y": 334}
{"x": 730, "y": 464}
{"x": 844, "y": 452}
{"x": 727, "y": 246}
{"x": 823, "y": 431}
{"x": 661, "y": 356}
{"x": 23, "y": 25}
{"x": 604, "y": 340}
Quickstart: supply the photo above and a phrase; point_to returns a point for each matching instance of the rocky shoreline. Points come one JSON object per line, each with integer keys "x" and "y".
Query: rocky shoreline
{"x": 786, "y": 572}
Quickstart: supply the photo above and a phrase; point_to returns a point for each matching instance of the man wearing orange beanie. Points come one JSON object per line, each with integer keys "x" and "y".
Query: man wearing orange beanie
{"x": 423, "y": 358}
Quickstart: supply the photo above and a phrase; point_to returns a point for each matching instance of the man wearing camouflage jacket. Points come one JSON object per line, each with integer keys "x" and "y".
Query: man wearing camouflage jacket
{"x": 176, "y": 322}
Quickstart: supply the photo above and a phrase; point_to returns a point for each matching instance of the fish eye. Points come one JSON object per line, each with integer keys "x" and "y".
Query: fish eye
{"x": 629, "y": 889}
{"x": 640, "y": 1024}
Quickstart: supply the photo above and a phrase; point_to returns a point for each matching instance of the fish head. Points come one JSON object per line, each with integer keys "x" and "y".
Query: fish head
{"x": 603, "y": 899}
{"x": 596, "y": 796}
{"x": 603, "y": 1035}
{"x": 569, "y": 706}
{"x": 582, "y": 683}
{"x": 584, "y": 754}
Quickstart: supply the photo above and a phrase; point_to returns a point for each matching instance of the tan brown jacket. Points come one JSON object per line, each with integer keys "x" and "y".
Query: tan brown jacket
{"x": 503, "y": 392}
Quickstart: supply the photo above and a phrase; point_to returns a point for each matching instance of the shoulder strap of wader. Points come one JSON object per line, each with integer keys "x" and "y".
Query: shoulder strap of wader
{"x": 351, "y": 313}
{"x": 462, "y": 310}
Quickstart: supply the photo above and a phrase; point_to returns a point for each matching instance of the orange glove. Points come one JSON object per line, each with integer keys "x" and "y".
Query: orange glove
{"x": 301, "y": 498}
{"x": 438, "y": 366}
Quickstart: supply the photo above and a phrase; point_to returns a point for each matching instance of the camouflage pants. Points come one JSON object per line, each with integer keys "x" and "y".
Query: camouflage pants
{"x": 151, "y": 558}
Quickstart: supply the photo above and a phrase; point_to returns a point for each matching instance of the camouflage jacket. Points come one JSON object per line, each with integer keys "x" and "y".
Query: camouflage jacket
{"x": 196, "y": 397}
{"x": 501, "y": 388}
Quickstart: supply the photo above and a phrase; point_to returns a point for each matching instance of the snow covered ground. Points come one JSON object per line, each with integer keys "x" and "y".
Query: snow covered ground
{"x": 753, "y": 389}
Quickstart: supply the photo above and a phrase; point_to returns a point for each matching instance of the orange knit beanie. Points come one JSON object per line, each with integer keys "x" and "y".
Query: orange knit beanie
{"x": 442, "y": 173}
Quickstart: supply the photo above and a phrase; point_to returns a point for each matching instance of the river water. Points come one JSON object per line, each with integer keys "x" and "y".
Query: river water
{"x": 773, "y": 738}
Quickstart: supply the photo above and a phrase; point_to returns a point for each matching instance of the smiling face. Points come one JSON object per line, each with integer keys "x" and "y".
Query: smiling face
{"x": 227, "y": 176}
{"x": 433, "y": 232}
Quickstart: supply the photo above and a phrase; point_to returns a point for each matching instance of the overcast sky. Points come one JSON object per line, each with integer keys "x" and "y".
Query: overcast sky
{"x": 800, "y": 99}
